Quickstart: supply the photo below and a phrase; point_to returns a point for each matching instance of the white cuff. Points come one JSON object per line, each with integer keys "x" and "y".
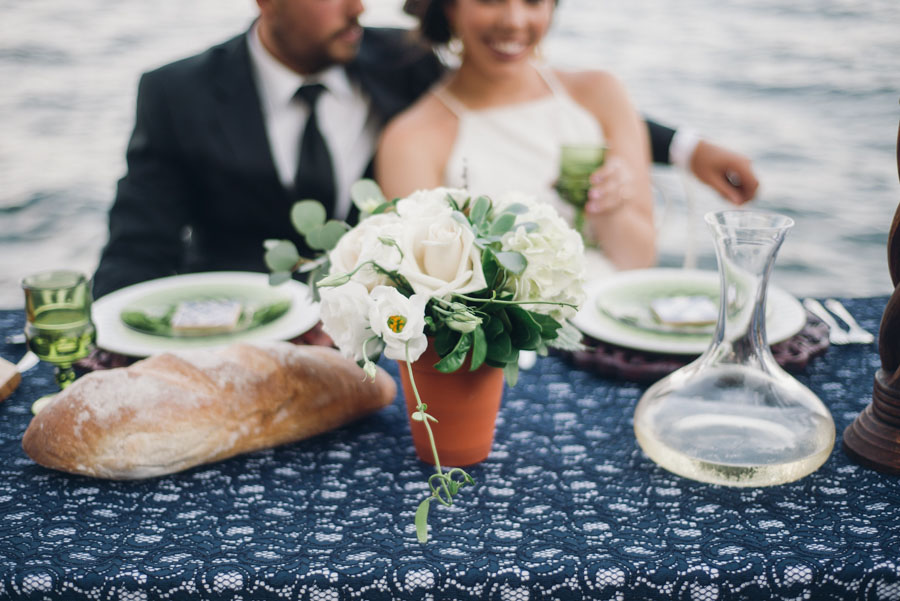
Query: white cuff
{"x": 682, "y": 148}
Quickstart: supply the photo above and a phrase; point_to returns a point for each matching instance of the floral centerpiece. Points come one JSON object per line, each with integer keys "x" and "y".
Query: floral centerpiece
{"x": 479, "y": 279}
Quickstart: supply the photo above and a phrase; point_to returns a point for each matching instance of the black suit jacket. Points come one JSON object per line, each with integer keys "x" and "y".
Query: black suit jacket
{"x": 202, "y": 192}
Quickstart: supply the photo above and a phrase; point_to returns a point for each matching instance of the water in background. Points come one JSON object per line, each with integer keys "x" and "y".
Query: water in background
{"x": 808, "y": 88}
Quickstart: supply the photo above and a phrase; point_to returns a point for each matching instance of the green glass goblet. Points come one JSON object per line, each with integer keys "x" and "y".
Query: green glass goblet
{"x": 58, "y": 323}
{"x": 576, "y": 164}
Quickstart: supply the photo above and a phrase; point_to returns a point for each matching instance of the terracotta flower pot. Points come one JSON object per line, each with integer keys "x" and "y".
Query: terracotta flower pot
{"x": 465, "y": 403}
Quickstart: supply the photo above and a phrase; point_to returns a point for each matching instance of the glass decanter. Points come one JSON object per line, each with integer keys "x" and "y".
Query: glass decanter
{"x": 734, "y": 416}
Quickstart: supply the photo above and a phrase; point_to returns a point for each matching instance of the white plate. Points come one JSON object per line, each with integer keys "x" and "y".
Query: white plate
{"x": 632, "y": 291}
{"x": 113, "y": 335}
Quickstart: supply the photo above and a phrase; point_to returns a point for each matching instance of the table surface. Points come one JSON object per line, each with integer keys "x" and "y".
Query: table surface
{"x": 566, "y": 507}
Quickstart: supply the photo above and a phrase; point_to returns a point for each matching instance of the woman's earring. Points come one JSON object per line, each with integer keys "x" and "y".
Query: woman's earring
{"x": 455, "y": 46}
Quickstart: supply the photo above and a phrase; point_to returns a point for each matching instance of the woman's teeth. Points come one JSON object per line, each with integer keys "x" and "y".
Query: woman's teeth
{"x": 508, "y": 47}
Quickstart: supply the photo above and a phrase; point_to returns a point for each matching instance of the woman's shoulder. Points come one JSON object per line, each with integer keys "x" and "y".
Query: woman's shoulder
{"x": 600, "y": 92}
{"x": 426, "y": 119}
{"x": 589, "y": 84}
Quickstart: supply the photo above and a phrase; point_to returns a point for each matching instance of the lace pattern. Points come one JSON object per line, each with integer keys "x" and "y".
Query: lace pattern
{"x": 566, "y": 507}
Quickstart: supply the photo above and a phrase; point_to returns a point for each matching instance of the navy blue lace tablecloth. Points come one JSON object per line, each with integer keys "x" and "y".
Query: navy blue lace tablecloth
{"x": 566, "y": 507}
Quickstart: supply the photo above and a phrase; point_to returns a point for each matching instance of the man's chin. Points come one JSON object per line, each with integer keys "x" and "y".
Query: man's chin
{"x": 344, "y": 53}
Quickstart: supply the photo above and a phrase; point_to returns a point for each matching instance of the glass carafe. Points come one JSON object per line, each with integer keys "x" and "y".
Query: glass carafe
{"x": 734, "y": 416}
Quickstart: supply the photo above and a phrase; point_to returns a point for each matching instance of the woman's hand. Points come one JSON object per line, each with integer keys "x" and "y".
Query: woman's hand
{"x": 611, "y": 187}
{"x": 728, "y": 173}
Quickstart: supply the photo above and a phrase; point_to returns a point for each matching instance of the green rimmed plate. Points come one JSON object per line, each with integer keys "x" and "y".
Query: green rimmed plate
{"x": 617, "y": 310}
{"x": 268, "y": 312}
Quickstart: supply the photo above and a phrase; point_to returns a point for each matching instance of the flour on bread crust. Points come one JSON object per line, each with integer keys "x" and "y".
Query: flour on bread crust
{"x": 174, "y": 411}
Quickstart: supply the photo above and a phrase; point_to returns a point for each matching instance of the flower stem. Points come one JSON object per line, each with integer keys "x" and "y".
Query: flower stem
{"x": 513, "y": 302}
{"x": 420, "y": 407}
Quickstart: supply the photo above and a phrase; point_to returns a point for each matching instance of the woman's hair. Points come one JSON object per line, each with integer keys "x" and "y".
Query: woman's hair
{"x": 433, "y": 23}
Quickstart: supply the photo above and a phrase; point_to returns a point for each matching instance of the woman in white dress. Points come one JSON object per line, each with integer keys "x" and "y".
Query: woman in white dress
{"x": 498, "y": 122}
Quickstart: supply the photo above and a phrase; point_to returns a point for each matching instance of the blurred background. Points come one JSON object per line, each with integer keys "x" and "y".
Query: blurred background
{"x": 808, "y": 89}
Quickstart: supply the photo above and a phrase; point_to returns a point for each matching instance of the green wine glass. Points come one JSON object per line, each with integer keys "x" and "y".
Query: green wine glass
{"x": 58, "y": 323}
{"x": 576, "y": 164}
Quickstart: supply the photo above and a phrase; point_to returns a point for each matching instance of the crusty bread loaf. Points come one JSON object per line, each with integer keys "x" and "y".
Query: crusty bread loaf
{"x": 177, "y": 410}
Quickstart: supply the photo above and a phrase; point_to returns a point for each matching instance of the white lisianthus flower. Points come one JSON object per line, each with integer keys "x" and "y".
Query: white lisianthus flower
{"x": 400, "y": 321}
{"x": 345, "y": 317}
{"x": 555, "y": 255}
{"x": 364, "y": 243}
{"x": 440, "y": 256}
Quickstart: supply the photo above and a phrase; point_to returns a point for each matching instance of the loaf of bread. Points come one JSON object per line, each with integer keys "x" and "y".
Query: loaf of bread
{"x": 174, "y": 411}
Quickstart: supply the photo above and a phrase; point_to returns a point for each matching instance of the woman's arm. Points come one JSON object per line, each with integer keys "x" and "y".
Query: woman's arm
{"x": 620, "y": 204}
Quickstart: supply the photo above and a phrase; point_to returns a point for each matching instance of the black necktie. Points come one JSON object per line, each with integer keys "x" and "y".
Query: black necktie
{"x": 315, "y": 176}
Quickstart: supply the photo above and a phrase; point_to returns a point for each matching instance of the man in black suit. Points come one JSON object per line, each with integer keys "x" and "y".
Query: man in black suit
{"x": 211, "y": 161}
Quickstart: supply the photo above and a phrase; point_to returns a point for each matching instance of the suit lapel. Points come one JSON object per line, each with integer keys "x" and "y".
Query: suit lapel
{"x": 239, "y": 114}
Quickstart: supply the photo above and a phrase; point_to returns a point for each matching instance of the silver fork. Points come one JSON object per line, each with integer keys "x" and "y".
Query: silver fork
{"x": 836, "y": 334}
{"x": 856, "y": 333}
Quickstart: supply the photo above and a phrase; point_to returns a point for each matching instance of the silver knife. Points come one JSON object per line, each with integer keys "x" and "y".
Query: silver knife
{"x": 10, "y": 375}
{"x": 27, "y": 361}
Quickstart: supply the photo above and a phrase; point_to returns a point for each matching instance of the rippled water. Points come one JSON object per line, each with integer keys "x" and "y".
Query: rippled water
{"x": 808, "y": 88}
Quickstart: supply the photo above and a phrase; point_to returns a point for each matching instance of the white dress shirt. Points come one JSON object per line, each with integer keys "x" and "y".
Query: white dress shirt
{"x": 344, "y": 116}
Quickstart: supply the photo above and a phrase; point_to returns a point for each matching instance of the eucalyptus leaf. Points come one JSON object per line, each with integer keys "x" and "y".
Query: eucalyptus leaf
{"x": 485, "y": 240}
{"x": 516, "y": 208}
{"x": 461, "y": 219}
{"x": 366, "y": 195}
{"x": 326, "y": 236}
{"x": 490, "y": 267}
{"x": 503, "y": 224}
{"x": 282, "y": 255}
{"x": 307, "y": 215}
{"x": 512, "y": 261}
{"x": 332, "y": 232}
{"x": 479, "y": 211}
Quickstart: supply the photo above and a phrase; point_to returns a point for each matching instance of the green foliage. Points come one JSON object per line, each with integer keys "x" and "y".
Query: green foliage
{"x": 368, "y": 197}
{"x": 326, "y": 236}
{"x": 485, "y": 327}
{"x": 307, "y": 215}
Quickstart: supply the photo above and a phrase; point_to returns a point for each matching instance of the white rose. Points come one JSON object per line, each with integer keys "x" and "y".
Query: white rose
{"x": 345, "y": 317}
{"x": 440, "y": 256}
{"x": 430, "y": 203}
{"x": 400, "y": 321}
{"x": 363, "y": 243}
{"x": 555, "y": 255}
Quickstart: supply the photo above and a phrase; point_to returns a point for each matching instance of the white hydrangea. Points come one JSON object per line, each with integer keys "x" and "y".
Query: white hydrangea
{"x": 555, "y": 255}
